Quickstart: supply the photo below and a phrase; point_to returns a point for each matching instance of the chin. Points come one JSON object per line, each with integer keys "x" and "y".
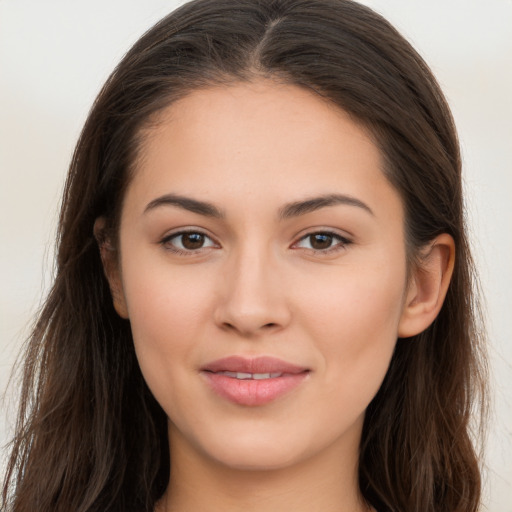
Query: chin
{"x": 253, "y": 451}
{"x": 264, "y": 459}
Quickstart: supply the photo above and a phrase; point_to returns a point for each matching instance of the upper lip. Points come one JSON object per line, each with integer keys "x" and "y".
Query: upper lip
{"x": 262, "y": 364}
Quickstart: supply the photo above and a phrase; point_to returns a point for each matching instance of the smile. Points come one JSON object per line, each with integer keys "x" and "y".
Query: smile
{"x": 253, "y": 382}
{"x": 255, "y": 376}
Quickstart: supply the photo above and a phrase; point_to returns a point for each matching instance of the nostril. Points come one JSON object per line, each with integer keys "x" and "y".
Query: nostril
{"x": 233, "y": 327}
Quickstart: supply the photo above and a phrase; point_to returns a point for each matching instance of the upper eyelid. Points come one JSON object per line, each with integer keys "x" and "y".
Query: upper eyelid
{"x": 324, "y": 230}
{"x": 343, "y": 240}
{"x": 185, "y": 230}
{"x": 339, "y": 246}
{"x": 166, "y": 240}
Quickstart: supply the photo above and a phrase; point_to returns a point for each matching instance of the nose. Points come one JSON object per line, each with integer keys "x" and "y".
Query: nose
{"x": 252, "y": 299}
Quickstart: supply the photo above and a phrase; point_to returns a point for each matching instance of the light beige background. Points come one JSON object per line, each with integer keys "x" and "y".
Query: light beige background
{"x": 54, "y": 56}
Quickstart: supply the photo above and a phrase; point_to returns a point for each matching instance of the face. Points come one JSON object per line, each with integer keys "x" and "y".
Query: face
{"x": 263, "y": 270}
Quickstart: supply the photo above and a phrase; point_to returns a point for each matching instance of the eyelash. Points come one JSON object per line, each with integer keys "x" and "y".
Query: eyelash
{"x": 167, "y": 242}
{"x": 341, "y": 244}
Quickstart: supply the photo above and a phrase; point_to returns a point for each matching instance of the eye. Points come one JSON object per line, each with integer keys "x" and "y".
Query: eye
{"x": 322, "y": 241}
{"x": 187, "y": 242}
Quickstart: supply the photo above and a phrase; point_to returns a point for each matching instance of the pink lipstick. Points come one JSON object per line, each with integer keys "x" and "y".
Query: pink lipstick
{"x": 253, "y": 381}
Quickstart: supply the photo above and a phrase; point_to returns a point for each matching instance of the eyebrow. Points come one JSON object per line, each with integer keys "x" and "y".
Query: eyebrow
{"x": 290, "y": 210}
{"x": 298, "y": 208}
{"x": 186, "y": 203}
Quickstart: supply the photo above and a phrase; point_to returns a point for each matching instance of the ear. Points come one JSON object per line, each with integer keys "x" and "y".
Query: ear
{"x": 428, "y": 286}
{"x": 111, "y": 268}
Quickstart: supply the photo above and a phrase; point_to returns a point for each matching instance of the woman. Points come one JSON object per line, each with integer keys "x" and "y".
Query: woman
{"x": 263, "y": 297}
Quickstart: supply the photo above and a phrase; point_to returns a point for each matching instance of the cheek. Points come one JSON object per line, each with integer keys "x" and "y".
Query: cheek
{"x": 354, "y": 319}
{"x": 167, "y": 308}
{"x": 355, "y": 328}
{"x": 160, "y": 295}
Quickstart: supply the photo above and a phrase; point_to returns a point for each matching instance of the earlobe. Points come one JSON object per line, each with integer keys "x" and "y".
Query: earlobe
{"x": 428, "y": 286}
{"x": 111, "y": 269}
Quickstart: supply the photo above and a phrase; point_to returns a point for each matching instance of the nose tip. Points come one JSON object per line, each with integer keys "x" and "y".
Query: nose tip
{"x": 252, "y": 300}
{"x": 251, "y": 315}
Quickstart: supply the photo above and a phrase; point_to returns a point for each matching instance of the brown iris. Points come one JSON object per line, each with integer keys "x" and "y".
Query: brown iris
{"x": 192, "y": 240}
{"x": 321, "y": 241}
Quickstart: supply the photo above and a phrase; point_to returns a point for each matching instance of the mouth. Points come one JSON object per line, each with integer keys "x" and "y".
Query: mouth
{"x": 253, "y": 381}
{"x": 251, "y": 376}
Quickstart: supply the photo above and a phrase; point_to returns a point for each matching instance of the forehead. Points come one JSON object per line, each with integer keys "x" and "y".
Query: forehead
{"x": 260, "y": 141}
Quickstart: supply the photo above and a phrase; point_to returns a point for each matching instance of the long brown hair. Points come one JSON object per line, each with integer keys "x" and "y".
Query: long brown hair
{"x": 90, "y": 436}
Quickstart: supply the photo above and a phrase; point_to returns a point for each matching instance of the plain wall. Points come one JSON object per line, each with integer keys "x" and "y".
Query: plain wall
{"x": 55, "y": 55}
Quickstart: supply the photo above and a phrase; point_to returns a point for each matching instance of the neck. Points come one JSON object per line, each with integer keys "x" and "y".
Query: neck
{"x": 327, "y": 482}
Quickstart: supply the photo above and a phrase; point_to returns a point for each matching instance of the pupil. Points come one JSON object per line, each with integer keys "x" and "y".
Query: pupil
{"x": 321, "y": 241}
{"x": 193, "y": 240}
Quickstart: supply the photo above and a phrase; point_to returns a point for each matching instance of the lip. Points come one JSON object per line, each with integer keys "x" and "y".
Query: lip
{"x": 253, "y": 392}
{"x": 261, "y": 364}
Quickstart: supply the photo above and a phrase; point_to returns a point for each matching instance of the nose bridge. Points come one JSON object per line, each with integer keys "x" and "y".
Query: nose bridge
{"x": 252, "y": 296}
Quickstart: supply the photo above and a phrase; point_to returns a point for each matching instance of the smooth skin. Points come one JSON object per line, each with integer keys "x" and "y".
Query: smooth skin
{"x": 266, "y": 268}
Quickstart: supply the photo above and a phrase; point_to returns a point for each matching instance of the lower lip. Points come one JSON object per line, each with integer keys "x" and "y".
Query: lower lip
{"x": 253, "y": 392}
